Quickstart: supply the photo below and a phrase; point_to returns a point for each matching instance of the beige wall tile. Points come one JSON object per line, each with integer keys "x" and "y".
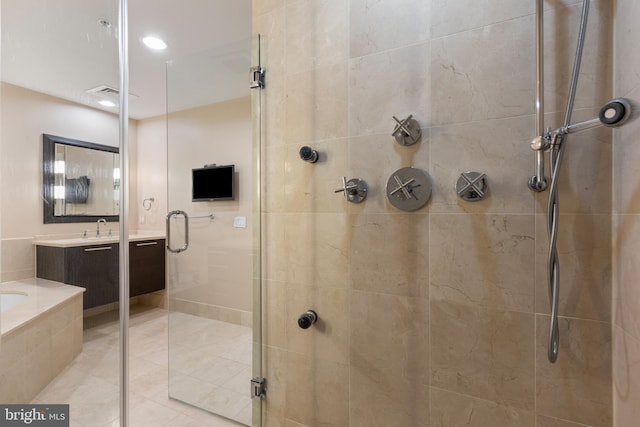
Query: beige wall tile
{"x": 274, "y": 314}
{"x": 390, "y": 254}
{"x": 260, "y": 7}
{"x": 483, "y": 353}
{"x": 626, "y": 350}
{"x": 18, "y": 259}
{"x": 273, "y": 179}
{"x": 375, "y": 25}
{"x": 310, "y": 187}
{"x": 275, "y": 369}
{"x": 554, "y": 422}
{"x": 457, "y": 410}
{"x": 317, "y": 249}
{"x": 626, "y": 379}
{"x": 12, "y": 383}
{"x": 627, "y": 34}
{"x": 562, "y": 21}
{"x": 483, "y": 260}
{"x": 316, "y": 104}
{"x": 389, "y": 336}
{"x": 316, "y": 34}
{"x": 626, "y": 173}
{"x": 584, "y": 251}
{"x": 481, "y": 74}
{"x": 450, "y": 17}
{"x": 328, "y": 338}
{"x": 497, "y": 148}
{"x": 317, "y": 391}
{"x": 271, "y": 28}
{"x": 274, "y": 263}
{"x": 386, "y": 401}
{"x": 578, "y": 386}
{"x": 394, "y": 82}
{"x": 626, "y": 235}
{"x": 388, "y": 363}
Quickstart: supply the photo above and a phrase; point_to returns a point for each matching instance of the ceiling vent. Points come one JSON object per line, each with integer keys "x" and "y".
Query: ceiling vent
{"x": 108, "y": 92}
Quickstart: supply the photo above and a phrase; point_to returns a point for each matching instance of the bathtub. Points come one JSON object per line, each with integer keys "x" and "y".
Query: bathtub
{"x": 40, "y": 334}
{"x": 9, "y": 300}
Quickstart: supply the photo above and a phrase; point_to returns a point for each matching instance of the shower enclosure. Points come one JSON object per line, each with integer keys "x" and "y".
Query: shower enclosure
{"x": 440, "y": 316}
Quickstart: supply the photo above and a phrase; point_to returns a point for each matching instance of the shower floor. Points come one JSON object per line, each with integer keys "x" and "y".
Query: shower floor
{"x": 90, "y": 383}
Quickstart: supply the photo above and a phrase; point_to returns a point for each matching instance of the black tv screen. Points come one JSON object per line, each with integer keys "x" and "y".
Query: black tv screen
{"x": 212, "y": 183}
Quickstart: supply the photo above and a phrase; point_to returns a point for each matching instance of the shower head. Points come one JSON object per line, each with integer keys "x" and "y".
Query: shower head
{"x": 615, "y": 112}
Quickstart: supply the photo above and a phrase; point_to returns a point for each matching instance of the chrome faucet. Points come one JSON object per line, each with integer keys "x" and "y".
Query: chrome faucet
{"x": 101, "y": 220}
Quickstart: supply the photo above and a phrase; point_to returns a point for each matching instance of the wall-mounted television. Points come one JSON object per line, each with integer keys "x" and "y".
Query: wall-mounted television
{"x": 212, "y": 183}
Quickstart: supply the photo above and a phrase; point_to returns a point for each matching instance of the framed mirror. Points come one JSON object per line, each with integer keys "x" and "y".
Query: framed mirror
{"x": 81, "y": 180}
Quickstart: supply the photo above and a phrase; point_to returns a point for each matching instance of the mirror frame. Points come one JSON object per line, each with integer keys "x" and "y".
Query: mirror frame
{"x": 48, "y": 158}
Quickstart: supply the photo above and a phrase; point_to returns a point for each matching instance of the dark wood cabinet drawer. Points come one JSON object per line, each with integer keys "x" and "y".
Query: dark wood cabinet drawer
{"x": 146, "y": 267}
{"x": 96, "y": 269}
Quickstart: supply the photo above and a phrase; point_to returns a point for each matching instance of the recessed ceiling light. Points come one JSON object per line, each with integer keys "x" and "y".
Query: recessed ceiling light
{"x": 106, "y": 103}
{"x": 154, "y": 43}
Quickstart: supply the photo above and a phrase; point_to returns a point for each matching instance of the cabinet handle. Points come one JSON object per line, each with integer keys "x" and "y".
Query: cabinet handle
{"x": 102, "y": 248}
{"x": 147, "y": 244}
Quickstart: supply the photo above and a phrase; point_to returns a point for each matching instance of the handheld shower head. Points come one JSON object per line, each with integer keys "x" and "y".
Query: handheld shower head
{"x": 615, "y": 112}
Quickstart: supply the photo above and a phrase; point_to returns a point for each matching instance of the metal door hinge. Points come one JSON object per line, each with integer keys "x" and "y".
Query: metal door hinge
{"x": 257, "y": 77}
{"x": 258, "y": 387}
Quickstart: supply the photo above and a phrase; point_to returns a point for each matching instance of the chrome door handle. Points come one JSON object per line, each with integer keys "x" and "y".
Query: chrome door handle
{"x": 186, "y": 231}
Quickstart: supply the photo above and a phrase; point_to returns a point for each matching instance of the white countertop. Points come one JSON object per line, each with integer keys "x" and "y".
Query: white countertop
{"x": 92, "y": 240}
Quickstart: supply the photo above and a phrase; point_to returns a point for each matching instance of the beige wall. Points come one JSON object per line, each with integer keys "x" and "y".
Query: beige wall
{"x": 213, "y": 278}
{"x": 26, "y": 116}
{"x": 626, "y": 232}
{"x": 438, "y": 317}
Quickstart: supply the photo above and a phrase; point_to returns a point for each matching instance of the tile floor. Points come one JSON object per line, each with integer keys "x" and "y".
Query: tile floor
{"x": 210, "y": 365}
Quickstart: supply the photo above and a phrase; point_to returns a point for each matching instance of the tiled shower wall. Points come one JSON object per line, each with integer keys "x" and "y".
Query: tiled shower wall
{"x": 437, "y": 317}
{"x": 626, "y": 235}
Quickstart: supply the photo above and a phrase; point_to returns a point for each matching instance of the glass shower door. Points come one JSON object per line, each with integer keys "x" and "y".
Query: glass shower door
{"x": 211, "y": 231}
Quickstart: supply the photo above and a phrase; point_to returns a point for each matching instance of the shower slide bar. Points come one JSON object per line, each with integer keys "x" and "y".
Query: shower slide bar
{"x": 613, "y": 114}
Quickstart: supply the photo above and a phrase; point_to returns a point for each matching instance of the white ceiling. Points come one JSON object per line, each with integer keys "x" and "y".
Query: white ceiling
{"x": 58, "y": 47}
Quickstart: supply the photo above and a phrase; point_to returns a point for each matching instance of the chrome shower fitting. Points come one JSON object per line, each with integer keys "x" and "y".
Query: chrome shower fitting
{"x": 308, "y": 154}
{"x": 355, "y": 190}
{"x": 613, "y": 114}
{"x": 472, "y": 186}
{"x": 307, "y": 319}
{"x": 408, "y": 189}
{"x": 406, "y": 132}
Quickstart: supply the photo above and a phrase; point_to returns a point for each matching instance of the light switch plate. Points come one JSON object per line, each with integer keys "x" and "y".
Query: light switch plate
{"x": 240, "y": 222}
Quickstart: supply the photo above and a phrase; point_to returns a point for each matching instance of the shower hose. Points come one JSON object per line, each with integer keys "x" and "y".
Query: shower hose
{"x": 553, "y": 210}
{"x": 553, "y": 264}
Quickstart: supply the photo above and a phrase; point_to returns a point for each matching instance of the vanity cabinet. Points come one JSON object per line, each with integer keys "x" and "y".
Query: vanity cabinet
{"x": 146, "y": 267}
{"x": 96, "y": 268}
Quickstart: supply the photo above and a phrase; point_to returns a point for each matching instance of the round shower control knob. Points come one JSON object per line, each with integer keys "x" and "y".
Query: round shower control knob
{"x": 307, "y": 319}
